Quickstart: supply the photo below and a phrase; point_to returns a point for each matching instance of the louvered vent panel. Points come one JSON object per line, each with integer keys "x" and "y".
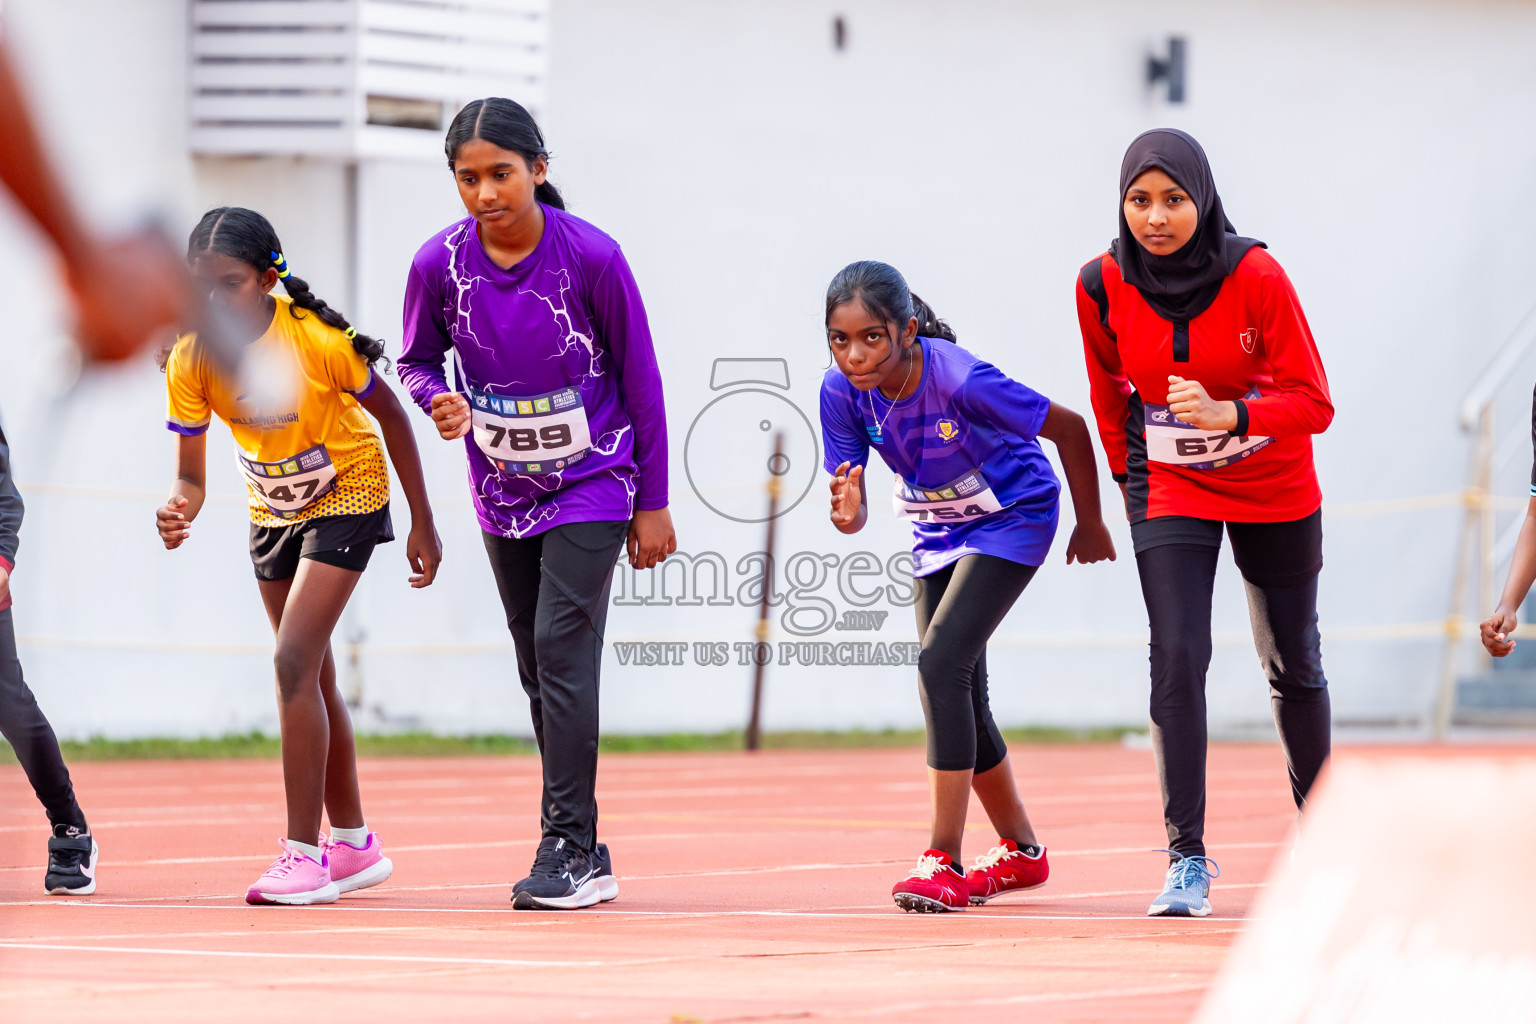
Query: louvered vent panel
{"x": 354, "y": 78}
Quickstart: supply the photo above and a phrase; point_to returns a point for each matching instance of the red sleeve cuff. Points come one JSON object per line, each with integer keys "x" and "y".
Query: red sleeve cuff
{"x": 6, "y": 563}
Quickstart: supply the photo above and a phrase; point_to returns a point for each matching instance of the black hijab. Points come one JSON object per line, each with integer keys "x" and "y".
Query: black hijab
{"x": 1183, "y": 284}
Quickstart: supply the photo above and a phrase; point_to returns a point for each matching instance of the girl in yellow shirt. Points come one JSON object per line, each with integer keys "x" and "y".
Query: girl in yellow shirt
{"x": 319, "y": 503}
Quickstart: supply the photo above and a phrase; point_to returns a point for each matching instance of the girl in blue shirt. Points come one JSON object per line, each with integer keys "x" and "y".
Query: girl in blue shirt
{"x": 961, "y": 438}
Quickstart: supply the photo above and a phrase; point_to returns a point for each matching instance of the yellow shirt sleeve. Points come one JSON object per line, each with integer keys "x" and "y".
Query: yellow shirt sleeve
{"x": 187, "y": 409}
{"x": 346, "y": 367}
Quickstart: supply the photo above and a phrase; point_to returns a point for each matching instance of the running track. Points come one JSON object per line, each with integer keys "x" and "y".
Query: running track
{"x": 754, "y": 887}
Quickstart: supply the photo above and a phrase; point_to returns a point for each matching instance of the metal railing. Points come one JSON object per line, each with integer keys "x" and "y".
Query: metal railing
{"x": 1483, "y": 550}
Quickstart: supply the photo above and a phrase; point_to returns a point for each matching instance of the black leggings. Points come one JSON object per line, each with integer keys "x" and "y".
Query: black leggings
{"x": 554, "y": 587}
{"x": 1279, "y": 563}
{"x": 31, "y": 737}
{"x": 958, "y": 607}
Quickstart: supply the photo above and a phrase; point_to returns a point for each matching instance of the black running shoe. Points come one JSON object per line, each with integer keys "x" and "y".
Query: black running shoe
{"x": 71, "y": 862}
{"x": 563, "y": 878}
{"x": 607, "y": 885}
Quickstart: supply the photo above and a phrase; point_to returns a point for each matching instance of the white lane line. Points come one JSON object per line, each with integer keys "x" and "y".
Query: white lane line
{"x": 364, "y": 957}
{"x": 880, "y": 912}
{"x": 505, "y": 843}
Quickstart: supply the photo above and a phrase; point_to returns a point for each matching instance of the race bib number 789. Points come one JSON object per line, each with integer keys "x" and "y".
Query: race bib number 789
{"x": 540, "y": 434}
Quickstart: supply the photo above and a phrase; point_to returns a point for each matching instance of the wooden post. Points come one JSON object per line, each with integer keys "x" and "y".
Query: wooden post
{"x": 775, "y": 471}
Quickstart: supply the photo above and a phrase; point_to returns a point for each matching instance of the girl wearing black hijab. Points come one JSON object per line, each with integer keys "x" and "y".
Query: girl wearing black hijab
{"x": 1207, "y": 387}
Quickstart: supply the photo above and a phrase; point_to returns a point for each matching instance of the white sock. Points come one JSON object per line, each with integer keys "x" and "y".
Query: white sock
{"x": 357, "y": 837}
{"x": 312, "y": 852}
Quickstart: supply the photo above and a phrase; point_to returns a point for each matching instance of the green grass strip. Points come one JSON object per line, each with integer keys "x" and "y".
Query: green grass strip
{"x": 256, "y": 744}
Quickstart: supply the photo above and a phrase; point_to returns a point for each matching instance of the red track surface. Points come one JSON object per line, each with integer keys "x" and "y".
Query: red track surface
{"x": 753, "y": 888}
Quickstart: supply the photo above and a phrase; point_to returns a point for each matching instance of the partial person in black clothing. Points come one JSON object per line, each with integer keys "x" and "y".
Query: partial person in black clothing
{"x": 71, "y": 848}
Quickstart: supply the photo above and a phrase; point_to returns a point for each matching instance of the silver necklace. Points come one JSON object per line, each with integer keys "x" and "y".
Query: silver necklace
{"x": 880, "y": 420}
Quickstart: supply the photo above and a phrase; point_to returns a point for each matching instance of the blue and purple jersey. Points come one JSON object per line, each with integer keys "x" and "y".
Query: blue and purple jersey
{"x": 970, "y": 474}
{"x": 555, "y": 357}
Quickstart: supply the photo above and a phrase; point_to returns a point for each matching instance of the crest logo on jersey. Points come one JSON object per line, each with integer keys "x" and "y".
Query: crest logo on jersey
{"x": 1249, "y": 339}
{"x": 947, "y": 430}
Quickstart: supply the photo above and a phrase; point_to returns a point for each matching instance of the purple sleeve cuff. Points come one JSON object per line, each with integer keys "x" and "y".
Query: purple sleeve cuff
{"x": 184, "y": 430}
{"x": 373, "y": 382}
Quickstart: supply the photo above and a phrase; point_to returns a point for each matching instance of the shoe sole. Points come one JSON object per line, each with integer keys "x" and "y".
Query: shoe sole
{"x": 589, "y": 894}
{"x": 1169, "y": 910}
{"x": 911, "y": 901}
{"x": 371, "y": 875}
{"x": 87, "y": 888}
{"x": 977, "y": 901}
{"x": 607, "y": 888}
{"x": 326, "y": 894}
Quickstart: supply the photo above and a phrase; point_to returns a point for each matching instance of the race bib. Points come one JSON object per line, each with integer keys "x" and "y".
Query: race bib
{"x": 542, "y": 434}
{"x": 969, "y": 497}
{"x": 290, "y": 486}
{"x": 1184, "y": 444}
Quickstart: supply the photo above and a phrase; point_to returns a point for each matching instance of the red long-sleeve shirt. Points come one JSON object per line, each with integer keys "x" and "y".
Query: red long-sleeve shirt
{"x": 1254, "y": 336}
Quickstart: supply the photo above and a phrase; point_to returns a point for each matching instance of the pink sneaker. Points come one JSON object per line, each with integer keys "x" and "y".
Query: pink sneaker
{"x": 356, "y": 867}
{"x": 294, "y": 879}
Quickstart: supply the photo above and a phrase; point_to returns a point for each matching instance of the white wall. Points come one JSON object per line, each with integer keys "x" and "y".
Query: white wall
{"x": 741, "y": 161}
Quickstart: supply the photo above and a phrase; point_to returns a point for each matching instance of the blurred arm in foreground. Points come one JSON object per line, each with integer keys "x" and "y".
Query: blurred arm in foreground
{"x": 124, "y": 289}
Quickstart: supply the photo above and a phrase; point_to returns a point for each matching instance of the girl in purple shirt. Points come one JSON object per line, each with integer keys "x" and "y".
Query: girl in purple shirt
{"x": 558, "y": 399}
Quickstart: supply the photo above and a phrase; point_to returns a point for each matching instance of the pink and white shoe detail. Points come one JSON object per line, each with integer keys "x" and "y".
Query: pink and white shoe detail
{"x": 353, "y": 867}
{"x": 295, "y": 879}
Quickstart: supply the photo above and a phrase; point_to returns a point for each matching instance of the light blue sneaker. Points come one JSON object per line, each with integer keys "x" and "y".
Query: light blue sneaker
{"x": 1187, "y": 889}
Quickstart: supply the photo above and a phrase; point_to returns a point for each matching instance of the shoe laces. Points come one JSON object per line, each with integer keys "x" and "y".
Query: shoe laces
{"x": 285, "y": 864}
{"x": 927, "y": 866}
{"x": 552, "y": 859}
{"x": 993, "y": 857}
{"x": 1190, "y": 872}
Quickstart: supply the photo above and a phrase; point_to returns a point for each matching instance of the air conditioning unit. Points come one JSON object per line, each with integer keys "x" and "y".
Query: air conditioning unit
{"x": 355, "y": 78}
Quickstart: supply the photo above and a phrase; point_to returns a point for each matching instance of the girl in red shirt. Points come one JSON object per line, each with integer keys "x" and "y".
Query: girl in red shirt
{"x": 1207, "y": 387}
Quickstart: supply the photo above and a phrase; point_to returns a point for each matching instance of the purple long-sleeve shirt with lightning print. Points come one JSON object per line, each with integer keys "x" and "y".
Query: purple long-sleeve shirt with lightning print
{"x": 556, "y": 358}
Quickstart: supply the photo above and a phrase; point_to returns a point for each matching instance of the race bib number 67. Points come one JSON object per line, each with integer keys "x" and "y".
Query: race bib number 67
{"x": 539, "y": 434}
{"x": 1184, "y": 444}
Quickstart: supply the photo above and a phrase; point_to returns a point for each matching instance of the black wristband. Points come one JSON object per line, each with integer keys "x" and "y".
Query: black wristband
{"x": 1241, "y": 430}
{"x": 1121, "y": 478}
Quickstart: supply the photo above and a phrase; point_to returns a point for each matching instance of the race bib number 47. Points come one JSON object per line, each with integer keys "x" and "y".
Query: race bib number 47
{"x": 1184, "y": 444}
{"x": 969, "y": 497}
{"x": 292, "y": 485}
{"x": 541, "y": 434}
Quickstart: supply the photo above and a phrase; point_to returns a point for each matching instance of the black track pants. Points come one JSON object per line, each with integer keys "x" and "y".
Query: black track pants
{"x": 1279, "y": 563}
{"x": 554, "y": 587}
{"x": 958, "y": 608}
{"x": 31, "y": 737}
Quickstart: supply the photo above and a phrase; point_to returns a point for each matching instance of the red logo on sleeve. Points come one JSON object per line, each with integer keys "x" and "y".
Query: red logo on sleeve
{"x": 1249, "y": 339}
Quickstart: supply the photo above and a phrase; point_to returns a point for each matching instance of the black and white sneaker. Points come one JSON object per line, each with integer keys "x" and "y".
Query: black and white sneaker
{"x": 71, "y": 862}
{"x": 563, "y": 877}
{"x": 607, "y": 885}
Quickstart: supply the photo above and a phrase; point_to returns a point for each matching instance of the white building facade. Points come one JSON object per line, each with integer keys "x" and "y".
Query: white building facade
{"x": 741, "y": 156}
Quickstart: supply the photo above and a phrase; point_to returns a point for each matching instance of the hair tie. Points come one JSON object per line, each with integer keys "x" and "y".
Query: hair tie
{"x": 350, "y": 332}
{"x": 281, "y": 264}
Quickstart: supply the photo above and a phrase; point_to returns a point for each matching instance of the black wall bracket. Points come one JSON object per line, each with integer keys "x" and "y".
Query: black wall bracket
{"x": 1169, "y": 69}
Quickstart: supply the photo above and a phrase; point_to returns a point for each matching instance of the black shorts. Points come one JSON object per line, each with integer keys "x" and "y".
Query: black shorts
{"x": 346, "y": 542}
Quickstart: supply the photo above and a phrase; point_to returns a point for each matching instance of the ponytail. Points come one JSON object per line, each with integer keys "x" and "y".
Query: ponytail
{"x": 928, "y": 323}
{"x": 250, "y": 238}
{"x": 884, "y": 292}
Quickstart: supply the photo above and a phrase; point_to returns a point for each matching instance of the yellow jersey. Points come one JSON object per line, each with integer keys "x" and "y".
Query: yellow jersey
{"x": 305, "y": 445}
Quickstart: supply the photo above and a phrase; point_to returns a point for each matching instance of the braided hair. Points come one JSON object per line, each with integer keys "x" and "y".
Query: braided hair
{"x": 250, "y": 238}
{"x": 884, "y": 292}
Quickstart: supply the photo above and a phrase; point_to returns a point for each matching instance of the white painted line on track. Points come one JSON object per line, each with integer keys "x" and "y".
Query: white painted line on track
{"x": 878, "y": 912}
{"x": 364, "y": 957}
